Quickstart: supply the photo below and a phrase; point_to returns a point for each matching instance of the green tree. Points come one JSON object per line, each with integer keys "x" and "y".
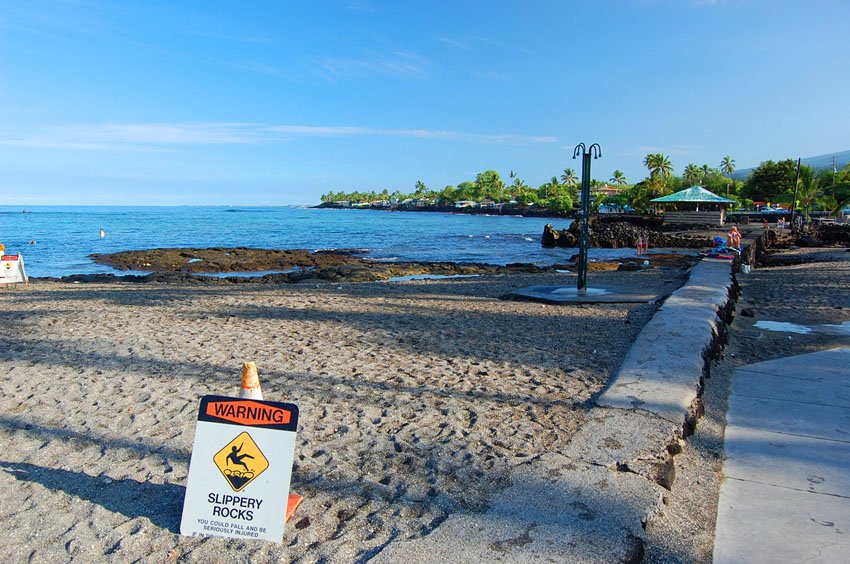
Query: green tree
{"x": 468, "y": 191}
{"x": 658, "y": 165}
{"x": 527, "y": 197}
{"x": 770, "y": 180}
{"x": 727, "y": 166}
{"x": 808, "y": 190}
{"x": 639, "y": 196}
{"x": 618, "y": 178}
{"x": 561, "y": 203}
{"x": 691, "y": 174}
{"x": 837, "y": 185}
{"x": 447, "y": 196}
{"x": 571, "y": 181}
{"x": 618, "y": 201}
{"x": 420, "y": 190}
{"x": 830, "y": 204}
{"x": 518, "y": 187}
{"x": 490, "y": 185}
{"x": 569, "y": 177}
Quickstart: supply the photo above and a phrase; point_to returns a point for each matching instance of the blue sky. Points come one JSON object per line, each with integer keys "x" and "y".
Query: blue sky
{"x": 271, "y": 103}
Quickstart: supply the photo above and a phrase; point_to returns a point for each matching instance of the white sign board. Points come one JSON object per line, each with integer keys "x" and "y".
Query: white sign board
{"x": 12, "y": 270}
{"x": 241, "y": 466}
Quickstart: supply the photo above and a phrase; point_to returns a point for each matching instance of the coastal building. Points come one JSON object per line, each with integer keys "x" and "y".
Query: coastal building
{"x": 694, "y": 205}
{"x": 607, "y": 190}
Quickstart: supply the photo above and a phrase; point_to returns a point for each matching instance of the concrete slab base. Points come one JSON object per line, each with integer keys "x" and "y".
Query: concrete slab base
{"x": 570, "y": 294}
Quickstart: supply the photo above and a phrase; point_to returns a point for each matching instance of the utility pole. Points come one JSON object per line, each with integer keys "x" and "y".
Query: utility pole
{"x": 796, "y": 184}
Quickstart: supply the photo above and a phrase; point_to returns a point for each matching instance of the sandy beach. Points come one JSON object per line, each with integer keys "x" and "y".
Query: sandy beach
{"x": 416, "y": 400}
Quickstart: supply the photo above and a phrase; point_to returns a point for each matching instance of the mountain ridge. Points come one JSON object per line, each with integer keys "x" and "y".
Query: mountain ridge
{"x": 819, "y": 163}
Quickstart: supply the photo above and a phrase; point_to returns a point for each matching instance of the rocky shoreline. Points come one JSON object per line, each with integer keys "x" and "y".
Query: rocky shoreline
{"x": 621, "y": 233}
{"x": 514, "y": 210}
{"x": 243, "y": 265}
{"x": 225, "y": 265}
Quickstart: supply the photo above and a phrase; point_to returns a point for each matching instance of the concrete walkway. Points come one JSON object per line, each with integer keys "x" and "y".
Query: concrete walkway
{"x": 786, "y": 495}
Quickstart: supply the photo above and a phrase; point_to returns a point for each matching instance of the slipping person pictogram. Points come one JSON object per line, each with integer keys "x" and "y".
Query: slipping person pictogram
{"x": 237, "y": 458}
{"x": 232, "y": 461}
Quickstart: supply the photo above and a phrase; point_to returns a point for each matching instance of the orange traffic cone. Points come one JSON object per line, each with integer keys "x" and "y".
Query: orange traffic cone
{"x": 251, "y": 390}
{"x": 250, "y": 382}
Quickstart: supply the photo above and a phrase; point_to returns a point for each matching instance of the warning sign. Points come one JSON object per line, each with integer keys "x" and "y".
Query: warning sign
{"x": 241, "y": 461}
{"x": 241, "y": 468}
{"x": 12, "y": 270}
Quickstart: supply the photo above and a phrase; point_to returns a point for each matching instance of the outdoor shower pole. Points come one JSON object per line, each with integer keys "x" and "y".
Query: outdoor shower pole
{"x": 586, "y": 152}
{"x": 796, "y": 185}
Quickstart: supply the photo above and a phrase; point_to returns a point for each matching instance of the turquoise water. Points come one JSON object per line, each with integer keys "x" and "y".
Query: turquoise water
{"x": 66, "y": 236}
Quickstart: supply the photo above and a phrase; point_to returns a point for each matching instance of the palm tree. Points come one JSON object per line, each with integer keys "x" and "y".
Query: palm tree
{"x": 421, "y": 189}
{"x": 519, "y": 186}
{"x": 691, "y": 174}
{"x": 569, "y": 177}
{"x": 618, "y": 178}
{"x": 658, "y": 165}
{"x": 727, "y": 165}
{"x": 555, "y": 185}
{"x": 705, "y": 171}
{"x": 809, "y": 189}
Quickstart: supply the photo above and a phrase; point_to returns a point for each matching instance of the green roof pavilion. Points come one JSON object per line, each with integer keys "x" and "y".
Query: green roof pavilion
{"x": 694, "y": 205}
{"x": 694, "y": 194}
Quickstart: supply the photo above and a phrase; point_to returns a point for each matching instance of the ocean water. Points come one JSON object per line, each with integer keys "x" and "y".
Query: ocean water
{"x": 65, "y": 236}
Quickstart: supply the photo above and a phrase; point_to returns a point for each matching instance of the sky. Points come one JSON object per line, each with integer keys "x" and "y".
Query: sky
{"x": 275, "y": 103}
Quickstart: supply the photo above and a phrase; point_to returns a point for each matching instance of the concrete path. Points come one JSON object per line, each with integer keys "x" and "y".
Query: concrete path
{"x": 786, "y": 495}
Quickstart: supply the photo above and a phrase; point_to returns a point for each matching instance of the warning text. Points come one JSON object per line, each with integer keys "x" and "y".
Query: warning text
{"x": 248, "y": 413}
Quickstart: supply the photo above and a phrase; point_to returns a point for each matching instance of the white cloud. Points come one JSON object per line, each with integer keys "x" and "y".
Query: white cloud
{"x": 673, "y": 150}
{"x": 167, "y": 136}
{"x": 453, "y": 43}
{"x": 362, "y": 7}
{"x": 400, "y": 64}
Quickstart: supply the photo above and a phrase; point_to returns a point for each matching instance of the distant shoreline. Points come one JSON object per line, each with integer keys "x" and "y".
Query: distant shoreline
{"x": 518, "y": 211}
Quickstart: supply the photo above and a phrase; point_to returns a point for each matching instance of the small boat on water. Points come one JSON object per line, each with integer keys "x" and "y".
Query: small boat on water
{"x": 25, "y": 211}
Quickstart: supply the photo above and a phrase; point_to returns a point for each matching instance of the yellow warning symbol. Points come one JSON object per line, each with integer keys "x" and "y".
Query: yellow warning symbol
{"x": 240, "y": 461}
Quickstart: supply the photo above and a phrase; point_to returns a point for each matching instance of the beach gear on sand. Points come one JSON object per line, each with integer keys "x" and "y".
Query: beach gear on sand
{"x": 719, "y": 250}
